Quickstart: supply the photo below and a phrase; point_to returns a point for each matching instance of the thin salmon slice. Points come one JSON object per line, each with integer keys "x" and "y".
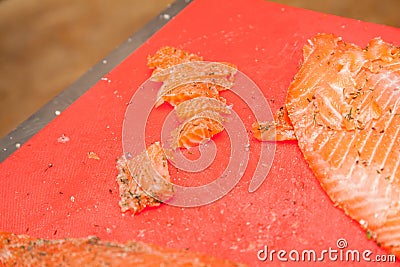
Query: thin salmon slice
{"x": 196, "y": 78}
{"x": 189, "y": 91}
{"x": 196, "y": 105}
{"x": 344, "y": 104}
{"x": 197, "y": 129}
{"x": 23, "y": 250}
{"x": 168, "y": 56}
{"x": 193, "y": 87}
{"x": 144, "y": 180}
{"x": 186, "y": 76}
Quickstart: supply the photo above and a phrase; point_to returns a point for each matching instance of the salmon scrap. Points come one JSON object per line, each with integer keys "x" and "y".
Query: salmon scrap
{"x": 197, "y": 129}
{"x": 169, "y": 56}
{"x": 187, "y": 92}
{"x": 192, "y": 79}
{"x": 193, "y": 88}
{"x": 280, "y": 129}
{"x": 144, "y": 180}
{"x": 196, "y": 105}
{"x": 23, "y": 250}
{"x": 202, "y": 120}
{"x": 344, "y": 104}
{"x": 186, "y": 77}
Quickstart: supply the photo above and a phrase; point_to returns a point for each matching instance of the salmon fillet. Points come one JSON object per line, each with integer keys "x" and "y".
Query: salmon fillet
{"x": 344, "y": 105}
{"x": 144, "y": 180}
{"x": 22, "y": 250}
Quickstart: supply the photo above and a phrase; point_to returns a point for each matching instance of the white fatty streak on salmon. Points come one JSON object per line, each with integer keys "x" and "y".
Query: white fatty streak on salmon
{"x": 367, "y": 153}
{"x": 312, "y": 75}
{"x": 354, "y": 136}
{"x": 387, "y": 136}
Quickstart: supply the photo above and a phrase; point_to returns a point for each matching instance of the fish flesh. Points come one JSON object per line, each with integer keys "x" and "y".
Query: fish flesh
{"x": 144, "y": 180}
{"x": 168, "y": 56}
{"x": 192, "y": 79}
{"x": 192, "y": 86}
{"x": 196, "y": 105}
{"x": 197, "y": 129}
{"x": 185, "y": 92}
{"x": 185, "y": 76}
{"x": 23, "y": 250}
{"x": 344, "y": 105}
{"x": 280, "y": 129}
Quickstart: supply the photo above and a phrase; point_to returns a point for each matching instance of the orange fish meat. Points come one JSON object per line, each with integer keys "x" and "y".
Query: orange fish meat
{"x": 189, "y": 91}
{"x": 144, "y": 180}
{"x": 188, "y": 80}
{"x": 185, "y": 78}
{"x": 280, "y": 129}
{"x": 197, "y": 129}
{"x": 344, "y": 104}
{"x": 23, "y": 250}
{"x": 168, "y": 56}
{"x": 196, "y": 105}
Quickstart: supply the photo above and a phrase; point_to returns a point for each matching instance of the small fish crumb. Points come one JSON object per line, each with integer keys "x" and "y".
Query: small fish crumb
{"x": 92, "y": 155}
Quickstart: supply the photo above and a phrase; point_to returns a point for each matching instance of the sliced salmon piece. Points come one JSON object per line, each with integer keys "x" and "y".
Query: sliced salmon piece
{"x": 197, "y": 129}
{"x": 23, "y": 250}
{"x": 144, "y": 180}
{"x": 189, "y": 91}
{"x": 280, "y": 129}
{"x": 194, "y": 79}
{"x": 196, "y": 105}
{"x": 344, "y": 104}
{"x": 186, "y": 76}
{"x": 168, "y": 56}
{"x": 203, "y": 71}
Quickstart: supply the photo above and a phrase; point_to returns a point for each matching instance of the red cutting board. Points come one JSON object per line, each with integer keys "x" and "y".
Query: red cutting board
{"x": 289, "y": 211}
